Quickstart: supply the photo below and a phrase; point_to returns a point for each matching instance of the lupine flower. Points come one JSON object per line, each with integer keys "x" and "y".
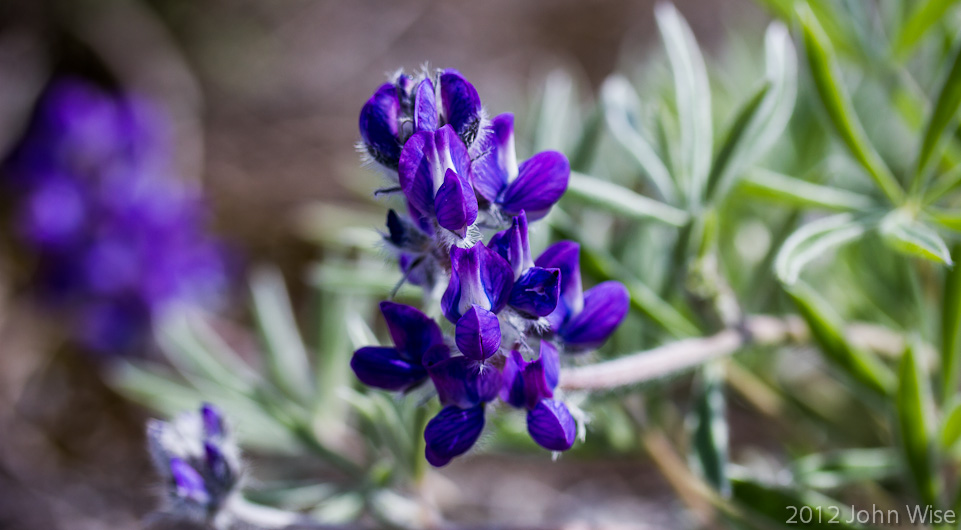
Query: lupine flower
{"x": 451, "y": 169}
{"x": 533, "y": 186}
{"x": 117, "y": 238}
{"x": 582, "y": 319}
{"x": 198, "y": 461}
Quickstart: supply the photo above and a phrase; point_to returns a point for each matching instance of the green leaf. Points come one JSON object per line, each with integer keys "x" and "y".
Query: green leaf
{"x": 943, "y": 184}
{"x": 951, "y": 425}
{"x": 710, "y": 436}
{"x": 813, "y": 240}
{"x": 837, "y": 104}
{"x": 557, "y": 105}
{"x": 836, "y": 469}
{"x": 622, "y": 201}
{"x": 693, "y": 93}
{"x": 622, "y": 114}
{"x": 951, "y": 329}
{"x": 781, "y": 507}
{"x": 765, "y": 184}
{"x": 285, "y": 352}
{"x": 859, "y": 365}
{"x": 950, "y": 219}
{"x": 925, "y": 15}
{"x": 942, "y": 115}
{"x": 762, "y": 118}
{"x": 908, "y": 236}
{"x": 914, "y": 422}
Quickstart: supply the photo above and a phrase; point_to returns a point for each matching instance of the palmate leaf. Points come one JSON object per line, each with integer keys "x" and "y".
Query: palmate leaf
{"x": 622, "y": 114}
{"x": 837, "y": 104}
{"x": 942, "y": 115}
{"x": 622, "y": 201}
{"x": 926, "y": 13}
{"x": 693, "y": 93}
{"x": 914, "y": 421}
{"x": 813, "y": 240}
{"x": 911, "y": 237}
{"x": 773, "y": 186}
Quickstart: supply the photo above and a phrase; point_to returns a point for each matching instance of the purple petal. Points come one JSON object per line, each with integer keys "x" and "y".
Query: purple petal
{"x": 564, "y": 255}
{"x": 452, "y": 152}
{"x": 512, "y": 244}
{"x": 217, "y": 464}
{"x": 535, "y": 292}
{"x": 604, "y": 308}
{"x": 451, "y": 433}
{"x": 412, "y": 332}
{"x": 512, "y": 376}
{"x": 461, "y": 105}
{"x": 189, "y": 483}
{"x": 213, "y": 421}
{"x": 385, "y": 368}
{"x": 478, "y": 277}
{"x": 551, "y": 362}
{"x": 455, "y": 204}
{"x": 464, "y": 382}
{"x": 379, "y": 125}
{"x": 435, "y": 355}
{"x": 478, "y": 333}
{"x": 416, "y": 171}
{"x": 540, "y": 183}
{"x": 551, "y": 425}
{"x": 496, "y": 165}
{"x": 54, "y": 213}
{"x": 425, "y": 107}
{"x": 536, "y": 385}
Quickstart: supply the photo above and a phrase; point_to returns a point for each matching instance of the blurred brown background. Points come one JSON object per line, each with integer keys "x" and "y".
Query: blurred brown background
{"x": 272, "y": 88}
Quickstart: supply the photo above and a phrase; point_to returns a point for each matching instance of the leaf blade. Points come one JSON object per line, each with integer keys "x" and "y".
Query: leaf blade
{"x": 620, "y": 200}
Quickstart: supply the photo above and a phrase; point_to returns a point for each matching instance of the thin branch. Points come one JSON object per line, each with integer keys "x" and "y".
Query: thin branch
{"x": 688, "y": 353}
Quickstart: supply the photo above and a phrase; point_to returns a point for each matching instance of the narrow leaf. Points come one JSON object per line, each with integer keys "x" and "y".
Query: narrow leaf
{"x": 909, "y": 236}
{"x": 914, "y": 411}
{"x": 622, "y": 114}
{"x": 622, "y": 201}
{"x": 859, "y": 365}
{"x": 951, "y": 425}
{"x": 837, "y": 104}
{"x": 942, "y": 115}
{"x": 836, "y": 469}
{"x": 782, "y": 507}
{"x": 693, "y": 93}
{"x": 724, "y": 162}
{"x": 813, "y": 240}
{"x": 710, "y": 437}
{"x": 286, "y": 355}
{"x": 766, "y": 184}
{"x": 951, "y": 330}
{"x": 926, "y": 14}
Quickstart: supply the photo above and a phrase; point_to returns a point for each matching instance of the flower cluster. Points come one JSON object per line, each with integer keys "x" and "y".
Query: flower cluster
{"x": 198, "y": 461}
{"x": 512, "y": 315}
{"x": 115, "y": 236}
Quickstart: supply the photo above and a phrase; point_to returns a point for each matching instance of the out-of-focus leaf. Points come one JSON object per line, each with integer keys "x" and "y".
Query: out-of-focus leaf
{"x": 951, "y": 425}
{"x": 925, "y": 14}
{"x": 710, "y": 436}
{"x": 859, "y": 365}
{"x": 286, "y": 355}
{"x": 950, "y": 219}
{"x": 622, "y": 201}
{"x": 693, "y": 93}
{"x": 554, "y": 119}
{"x": 333, "y": 354}
{"x": 622, "y": 113}
{"x": 908, "y": 236}
{"x": 837, "y": 103}
{"x": 362, "y": 279}
{"x": 942, "y": 115}
{"x": 915, "y": 427}
{"x": 951, "y": 329}
{"x": 766, "y": 184}
{"x": 762, "y": 117}
{"x": 943, "y": 184}
{"x": 785, "y": 508}
{"x": 840, "y": 468}
{"x": 813, "y": 240}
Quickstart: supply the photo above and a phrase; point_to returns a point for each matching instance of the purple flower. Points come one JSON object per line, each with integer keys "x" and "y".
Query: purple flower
{"x": 452, "y": 433}
{"x": 463, "y": 382}
{"x": 535, "y": 289}
{"x": 531, "y": 385}
{"x": 382, "y": 124}
{"x": 417, "y": 343}
{"x": 479, "y": 276}
{"x": 534, "y": 186}
{"x": 582, "y": 320}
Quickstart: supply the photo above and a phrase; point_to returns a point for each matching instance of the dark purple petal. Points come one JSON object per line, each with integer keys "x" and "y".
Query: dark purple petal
{"x": 379, "y": 125}
{"x": 512, "y": 244}
{"x": 535, "y": 293}
{"x": 551, "y": 362}
{"x": 512, "y": 377}
{"x": 464, "y": 382}
{"x": 496, "y": 165}
{"x": 425, "y": 107}
{"x": 461, "y": 105}
{"x": 564, "y": 255}
{"x": 435, "y": 355}
{"x": 396, "y": 230}
{"x": 479, "y": 276}
{"x": 478, "y": 333}
{"x": 455, "y": 204}
{"x": 412, "y": 332}
{"x": 604, "y": 307}
{"x": 416, "y": 171}
{"x": 213, "y": 421}
{"x": 551, "y": 425}
{"x": 536, "y": 386}
{"x": 385, "y": 368}
{"x": 189, "y": 483}
{"x": 540, "y": 183}
{"x": 217, "y": 464}
{"x": 451, "y": 433}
